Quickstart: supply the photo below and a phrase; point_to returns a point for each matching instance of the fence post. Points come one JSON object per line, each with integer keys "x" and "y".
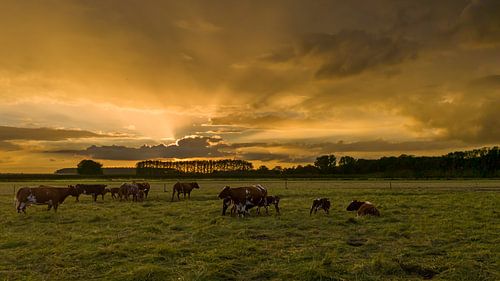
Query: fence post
{"x": 164, "y": 187}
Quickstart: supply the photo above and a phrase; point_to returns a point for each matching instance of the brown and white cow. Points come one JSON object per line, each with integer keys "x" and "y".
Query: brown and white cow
{"x": 145, "y": 187}
{"x": 43, "y": 195}
{"x": 185, "y": 188}
{"x": 363, "y": 208}
{"x": 320, "y": 203}
{"x": 90, "y": 189}
{"x": 243, "y": 198}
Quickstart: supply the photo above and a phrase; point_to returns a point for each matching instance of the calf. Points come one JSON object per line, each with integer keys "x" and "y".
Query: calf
{"x": 320, "y": 203}
{"x": 43, "y": 195}
{"x": 145, "y": 187}
{"x": 243, "y": 198}
{"x": 185, "y": 188}
{"x": 274, "y": 200}
{"x": 363, "y": 208}
{"x": 90, "y": 189}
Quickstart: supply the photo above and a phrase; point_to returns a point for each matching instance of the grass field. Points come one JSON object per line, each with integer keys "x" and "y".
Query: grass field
{"x": 444, "y": 230}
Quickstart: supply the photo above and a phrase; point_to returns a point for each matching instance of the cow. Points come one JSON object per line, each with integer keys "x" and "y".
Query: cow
{"x": 184, "y": 187}
{"x": 243, "y": 198}
{"x": 274, "y": 200}
{"x": 128, "y": 189}
{"x": 363, "y": 208}
{"x": 320, "y": 203}
{"x": 145, "y": 187}
{"x": 43, "y": 195}
{"x": 90, "y": 189}
{"x": 115, "y": 192}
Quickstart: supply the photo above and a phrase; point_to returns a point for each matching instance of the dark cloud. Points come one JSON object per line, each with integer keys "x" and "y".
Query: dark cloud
{"x": 189, "y": 147}
{"x": 347, "y": 53}
{"x": 381, "y": 146}
{"x": 7, "y": 146}
{"x": 479, "y": 23}
{"x": 352, "y": 52}
{"x": 47, "y": 134}
{"x": 489, "y": 82}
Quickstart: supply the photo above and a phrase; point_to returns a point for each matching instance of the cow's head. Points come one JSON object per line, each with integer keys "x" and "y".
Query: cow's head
{"x": 225, "y": 192}
{"x": 354, "y": 206}
{"x": 195, "y": 185}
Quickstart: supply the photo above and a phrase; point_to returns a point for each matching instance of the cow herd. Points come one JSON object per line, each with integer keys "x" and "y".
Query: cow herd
{"x": 242, "y": 199}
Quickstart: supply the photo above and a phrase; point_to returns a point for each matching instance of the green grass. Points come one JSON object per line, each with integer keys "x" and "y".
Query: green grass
{"x": 447, "y": 230}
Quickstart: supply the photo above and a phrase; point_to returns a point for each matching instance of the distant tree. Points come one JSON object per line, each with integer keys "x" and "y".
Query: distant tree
{"x": 326, "y": 163}
{"x": 347, "y": 164}
{"x": 89, "y": 167}
{"x": 263, "y": 168}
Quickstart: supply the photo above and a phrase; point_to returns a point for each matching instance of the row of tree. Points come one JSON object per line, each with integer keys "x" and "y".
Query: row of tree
{"x": 158, "y": 168}
{"x": 484, "y": 162}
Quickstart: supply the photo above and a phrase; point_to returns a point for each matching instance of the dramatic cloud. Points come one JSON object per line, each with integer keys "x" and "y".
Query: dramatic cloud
{"x": 279, "y": 81}
{"x": 13, "y": 133}
{"x": 7, "y": 146}
{"x": 479, "y": 23}
{"x": 189, "y": 147}
{"x": 348, "y": 52}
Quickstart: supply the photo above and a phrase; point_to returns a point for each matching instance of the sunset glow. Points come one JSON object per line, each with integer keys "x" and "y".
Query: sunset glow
{"x": 271, "y": 82}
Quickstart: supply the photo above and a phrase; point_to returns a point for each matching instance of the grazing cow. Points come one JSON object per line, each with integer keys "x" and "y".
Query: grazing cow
{"x": 115, "y": 192}
{"x": 144, "y": 186}
{"x": 363, "y": 208}
{"x": 243, "y": 198}
{"x": 183, "y": 187}
{"x": 90, "y": 189}
{"x": 320, "y": 203}
{"x": 275, "y": 200}
{"x": 43, "y": 195}
{"x": 128, "y": 189}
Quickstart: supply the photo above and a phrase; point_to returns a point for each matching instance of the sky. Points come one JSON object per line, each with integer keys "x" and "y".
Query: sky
{"x": 271, "y": 82}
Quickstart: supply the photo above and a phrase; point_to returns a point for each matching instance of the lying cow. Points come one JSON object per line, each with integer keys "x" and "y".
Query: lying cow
{"x": 129, "y": 189}
{"x": 320, "y": 203}
{"x": 243, "y": 198}
{"x": 145, "y": 187}
{"x": 363, "y": 208}
{"x": 185, "y": 188}
{"x": 274, "y": 200}
{"x": 90, "y": 189}
{"x": 43, "y": 195}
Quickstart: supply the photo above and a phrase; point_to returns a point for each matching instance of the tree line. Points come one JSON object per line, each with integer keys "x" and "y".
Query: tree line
{"x": 159, "y": 168}
{"x": 477, "y": 163}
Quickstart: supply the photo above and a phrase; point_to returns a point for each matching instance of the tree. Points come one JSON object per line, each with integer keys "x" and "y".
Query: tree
{"x": 89, "y": 167}
{"x": 347, "y": 164}
{"x": 326, "y": 163}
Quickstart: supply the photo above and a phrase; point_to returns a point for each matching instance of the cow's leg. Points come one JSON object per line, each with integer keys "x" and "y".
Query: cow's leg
{"x": 312, "y": 208}
{"x": 146, "y": 193}
{"x": 173, "y": 193}
{"x": 189, "y": 195}
{"x": 50, "y": 205}
{"x": 102, "y": 196}
{"x": 77, "y": 200}
{"x": 179, "y": 195}
{"x": 55, "y": 206}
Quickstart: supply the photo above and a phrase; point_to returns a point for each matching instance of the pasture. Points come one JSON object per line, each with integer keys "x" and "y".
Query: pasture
{"x": 439, "y": 230}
